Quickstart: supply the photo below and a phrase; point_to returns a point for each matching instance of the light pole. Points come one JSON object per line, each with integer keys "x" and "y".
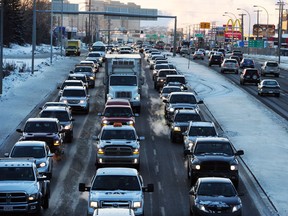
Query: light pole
{"x": 249, "y": 30}
{"x": 257, "y": 11}
{"x": 232, "y": 28}
{"x": 267, "y": 18}
{"x": 1, "y": 46}
{"x": 281, "y": 4}
{"x": 33, "y": 35}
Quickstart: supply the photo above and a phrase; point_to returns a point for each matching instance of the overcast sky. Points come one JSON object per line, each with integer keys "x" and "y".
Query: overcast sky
{"x": 191, "y": 12}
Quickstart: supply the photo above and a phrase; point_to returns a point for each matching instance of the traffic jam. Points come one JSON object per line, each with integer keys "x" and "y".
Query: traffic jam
{"x": 117, "y": 185}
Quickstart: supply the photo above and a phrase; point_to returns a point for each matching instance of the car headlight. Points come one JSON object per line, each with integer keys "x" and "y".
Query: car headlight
{"x": 43, "y": 164}
{"x": 131, "y": 123}
{"x": 196, "y": 167}
{"x": 91, "y": 78}
{"x": 177, "y": 129}
{"x": 109, "y": 97}
{"x": 33, "y": 197}
{"x": 64, "y": 100}
{"x": 201, "y": 207}
{"x": 137, "y": 204}
{"x": 137, "y": 97}
{"x": 67, "y": 127}
{"x": 105, "y": 122}
{"x": 93, "y": 204}
{"x": 236, "y": 208}
{"x": 171, "y": 109}
{"x": 56, "y": 143}
{"x": 136, "y": 151}
{"x": 233, "y": 167}
{"x": 100, "y": 151}
{"x": 82, "y": 101}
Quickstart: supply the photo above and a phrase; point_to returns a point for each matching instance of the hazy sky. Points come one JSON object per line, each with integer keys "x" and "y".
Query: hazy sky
{"x": 191, "y": 12}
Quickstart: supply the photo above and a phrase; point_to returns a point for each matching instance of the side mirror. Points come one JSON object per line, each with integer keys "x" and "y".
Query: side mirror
{"x": 6, "y": 154}
{"x": 82, "y": 187}
{"x": 239, "y": 152}
{"x": 148, "y": 188}
{"x": 19, "y": 130}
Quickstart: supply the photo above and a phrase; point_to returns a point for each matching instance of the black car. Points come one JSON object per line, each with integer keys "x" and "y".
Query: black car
{"x": 215, "y": 157}
{"x": 64, "y": 115}
{"x": 180, "y": 123}
{"x": 180, "y": 100}
{"x": 214, "y": 196}
{"x": 48, "y": 130}
{"x": 247, "y": 63}
{"x": 250, "y": 75}
{"x": 215, "y": 60}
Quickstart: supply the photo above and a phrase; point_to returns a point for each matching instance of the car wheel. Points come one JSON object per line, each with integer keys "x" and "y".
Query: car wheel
{"x": 277, "y": 95}
{"x": 276, "y": 75}
{"x": 70, "y": 138}
{"x": 172, "y": 137}
{"x": 46, "y": 202}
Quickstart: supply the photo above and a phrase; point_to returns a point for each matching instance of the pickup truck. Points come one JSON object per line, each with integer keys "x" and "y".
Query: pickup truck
{"x": 116, "y": 187}
{"x": 22, "y": 189}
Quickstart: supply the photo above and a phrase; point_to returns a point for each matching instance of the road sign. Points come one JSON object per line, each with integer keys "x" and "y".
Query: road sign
{"x": 198, "y": 35}
{"x": 256, "y": 43}
{"x": 205, "y": 25}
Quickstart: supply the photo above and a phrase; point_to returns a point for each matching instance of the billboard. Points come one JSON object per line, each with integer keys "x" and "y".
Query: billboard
{"x": 263, "y": 30}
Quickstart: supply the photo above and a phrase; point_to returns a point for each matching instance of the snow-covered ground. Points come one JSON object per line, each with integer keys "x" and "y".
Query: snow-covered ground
{"x": 256, "y": 129}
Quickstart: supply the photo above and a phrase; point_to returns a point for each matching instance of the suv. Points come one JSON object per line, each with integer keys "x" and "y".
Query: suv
{"x": 179, "y": 100}
{"x": 180, "y": 122}
{"x": 161, "y": 77}
{"x": 250, "y": 75}
{"x": 88, "y": 71}
{"x": 78, "y": 76}
{"x": 215, "y": 60}
{"x": 213, "y": 157}
{"x": 121, "y": 187}
{"x": 118, "y": 145}
{"x": 157, "y": 67}
{"x": 76, "y": 97}
{"x": 48, "y": 130}
{"x": 64, "y": 116}
{"x": 197, "y": 129}
{"x": 230, "y": 65}
{"x": 22, "y": 189}
{"x": 178, "y": 78}
{"x": 117, "y": 113}
{"x": 270, "y": 67}
{"x": 70, "y": 83}
{"x": 38, "y": 150}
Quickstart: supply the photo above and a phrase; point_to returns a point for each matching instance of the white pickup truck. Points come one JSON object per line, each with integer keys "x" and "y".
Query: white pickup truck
{"x": 118, "y": 188}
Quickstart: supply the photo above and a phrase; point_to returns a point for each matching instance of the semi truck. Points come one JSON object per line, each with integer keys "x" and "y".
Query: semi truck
{"x": 73, "y": 47}
{"x": 123, "y": 78}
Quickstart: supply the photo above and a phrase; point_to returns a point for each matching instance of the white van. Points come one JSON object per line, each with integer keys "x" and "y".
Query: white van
{"x": 114, "y": 212}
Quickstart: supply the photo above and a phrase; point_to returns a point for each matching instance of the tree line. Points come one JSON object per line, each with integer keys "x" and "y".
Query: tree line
{"x": 18, "y": 22}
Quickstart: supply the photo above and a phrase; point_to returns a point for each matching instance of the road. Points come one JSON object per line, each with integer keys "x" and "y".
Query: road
{"x": 162, "y": 162}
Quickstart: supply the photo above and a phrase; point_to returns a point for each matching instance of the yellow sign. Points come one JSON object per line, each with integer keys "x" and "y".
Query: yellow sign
{"x": 233, "y": 24}
{"x": 205, "y": 25}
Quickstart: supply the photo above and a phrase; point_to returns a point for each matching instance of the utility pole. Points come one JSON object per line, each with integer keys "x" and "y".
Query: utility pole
{"x": 1, "y": 46}
{"x": 242, "y": 28}
{"x": 257, "y": 11}
{"x": 281, "y": 4}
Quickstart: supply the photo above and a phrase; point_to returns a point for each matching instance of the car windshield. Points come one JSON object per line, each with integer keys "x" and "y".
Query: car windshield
{"x": 83, "y": 69}
{"x": 116, "y": 182}
{"x": 164, "y": 73}
{"x": 161, "y": 66}
{"x": 213, "y": 148}
{"x": 176, "y": 79}
{"x": 16, "y": 174}
{"x": 60, "y": 115}
{"x": 202, "y": 131}
{"x": 96, "y": 54}
{"x": 169, "y": 90}
{"x": 123, "y": 81}
{"x": 272, "y": 64}
{"x": 216, "y": 189}
{"x": 183, "y": 99}
{"x": 40, "y": 127}
{"x": 185, "y": 117}
{"x": 270, "y": 82}
{"x": 71, "y": 84}
{"x": 118, "y": 134}
{"x": 73, "y": 93}
{"x": 28, "y": 151}
{"x": 118, "y": 112}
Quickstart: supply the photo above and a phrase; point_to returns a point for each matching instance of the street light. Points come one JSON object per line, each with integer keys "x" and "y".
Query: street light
{"x": 232, "y": 14}
{"x": 267, "y": 17}
{"x": 249, "y": 30}
{"x": 232, "y": 27}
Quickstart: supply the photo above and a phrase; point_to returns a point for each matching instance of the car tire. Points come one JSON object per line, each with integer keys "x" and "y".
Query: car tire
{"x": 172, "y": 138}
{"x": 70, "y": 138}
{"x": 46, "y": 202}
{"x": 276, "y": 75}
{"x": 277, "y": 95}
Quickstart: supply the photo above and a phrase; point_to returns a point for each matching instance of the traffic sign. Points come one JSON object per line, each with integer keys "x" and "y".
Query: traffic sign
{"x": 198, "y": 35}
{"x": 256, "y": 43}
{"x": 205, "y": 25}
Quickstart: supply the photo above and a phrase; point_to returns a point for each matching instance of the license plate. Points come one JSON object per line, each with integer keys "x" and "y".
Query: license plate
{"x": 8, "y": 208}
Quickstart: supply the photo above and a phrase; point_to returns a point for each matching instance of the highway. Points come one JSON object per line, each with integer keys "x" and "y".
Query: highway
{"x": 162, "y": 162}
